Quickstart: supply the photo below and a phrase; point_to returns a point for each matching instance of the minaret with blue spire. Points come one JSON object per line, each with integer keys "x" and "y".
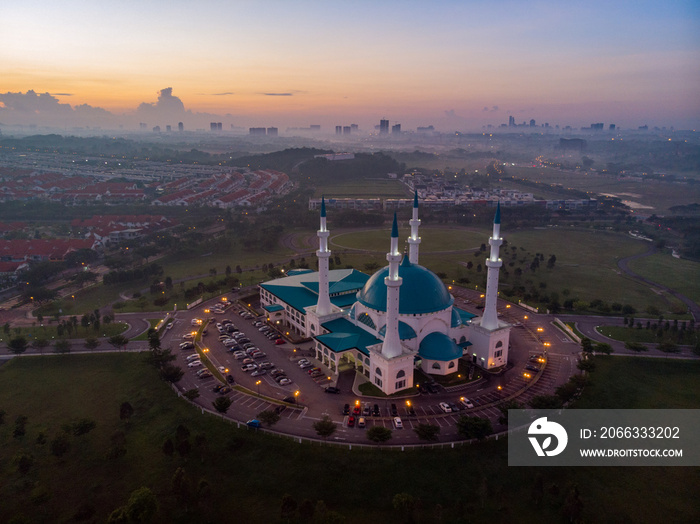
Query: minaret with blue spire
{"x": 414, "y": 239}
{"x": 493, "y": 263}
{"x": 391, "y": 346}
{"x": 323, "y": 307}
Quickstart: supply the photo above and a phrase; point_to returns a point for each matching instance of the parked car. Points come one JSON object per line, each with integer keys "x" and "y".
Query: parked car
{"x": 316, "y": 374}
{"x": 254, "y": 423}
{"x": 432, "y": 387}
{"x": 195, "y": 364}
{"x": 375, "y": 410}
{"x": 216, "y": 388}
{"x": 312, "y": 370}
{"x": 279, "y": 342}
{"x": 187, "y": 345}
{"x": 206, "y": 374}
{"x": 346, "y": 409}
{"x": 193, "y": 356}
{"x": 285, "y": 382}
{"x": 398, "y": 424}
{"x": 361, "y": 422}
{"x": 306, "y": 365}
{"x": 188, "y": 336}
{"x": 247, "y": 360}
{"x": 356, "y": 410}
{"x": 530, "y": 367}
{"x": 332, "y": 389}
{"x": 224, "y": 390}
{"x": 229, "y": 379}
{"x": 258, "y": 372}
{"x": 445, "y": 407}
{"x": 394, "y": 411}
{"x": 265, "y": 364}
{"x": 466, "y": 403}
{"x": 351, "y": 421}
{"x": 454, "y": 407}
{"x": 239, "y": 355}
{"x": 249, "y": 367}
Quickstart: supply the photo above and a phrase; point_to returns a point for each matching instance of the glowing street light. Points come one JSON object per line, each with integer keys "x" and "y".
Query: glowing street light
{"x": 258, "y": 384}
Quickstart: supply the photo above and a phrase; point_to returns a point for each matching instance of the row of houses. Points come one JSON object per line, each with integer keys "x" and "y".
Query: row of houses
{"x": 119, "y": 228}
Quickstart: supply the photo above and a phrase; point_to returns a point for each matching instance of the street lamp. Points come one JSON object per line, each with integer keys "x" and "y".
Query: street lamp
{"x": 258, "y": 384}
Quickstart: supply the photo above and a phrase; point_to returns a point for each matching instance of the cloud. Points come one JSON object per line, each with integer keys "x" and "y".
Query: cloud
{"x": 451, "y": 113}
{"x": 61, "y": 94}
{"x": 32, "y": 108}
{"x": 278, "y": 94}
{"x": 493, "y": 109}
{"x": 223, "y": 94}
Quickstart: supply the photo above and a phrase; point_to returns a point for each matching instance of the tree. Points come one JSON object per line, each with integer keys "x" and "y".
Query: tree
{"x": 221, "y": 404}
{"x": 126, "y": 410}
{"x": 62, "y": 346}
{"x": 91, "y": 342}
{"x": 586, "y": 345}
{"x": 269, "y": 417}
{"x": 603, "y": 347}
{"x": 474, "y": 427}
{"x": 668, "y": 347}
{"x": 586, "y": 364}
{"x": 40, "y": 344}
{"x": 503, "y": 408}
{"x": 60, "y": 445}
{"x": 325, "y": 427}
{"x": 181, "y": 486}
{"x": 378, "y": 434}
{"x": 171, "y": 373}
{"x": 24, "y": 462}
{"x": 427, "y": 432}
{"x": 142, "y": 505}
{"x": 289, "y": 507}
{"x": 18, "y": 345}
{"x": 118, "y": 341}
{"x": 191, "y": 394}
{"x": 635, "y": 346}
{"x": 545, "y": 402}
{"x": 168, "y": 447}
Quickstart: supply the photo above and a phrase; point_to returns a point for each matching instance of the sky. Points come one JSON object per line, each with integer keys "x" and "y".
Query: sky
{"x": 457, "y": 65}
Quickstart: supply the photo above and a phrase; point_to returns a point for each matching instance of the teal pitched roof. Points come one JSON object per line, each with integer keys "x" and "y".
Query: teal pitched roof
{"x": 421, "y": 290}
{"x": 406, "y": 332}
{"x": 459, "y": 317}
{"x": 344, "y": 335}
{"x": 300, "y": 271}
{"x": 272, "y": 308}
{"x": 438, "y": 346}
{"x": 301, "y": 290}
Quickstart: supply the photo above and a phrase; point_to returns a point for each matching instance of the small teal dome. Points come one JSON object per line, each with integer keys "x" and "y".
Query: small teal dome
{"x": 438, "y": 346}
{"x": 421, "y": 290}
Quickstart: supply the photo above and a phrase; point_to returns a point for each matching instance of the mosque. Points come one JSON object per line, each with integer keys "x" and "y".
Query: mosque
{"x": 388, "y": 324}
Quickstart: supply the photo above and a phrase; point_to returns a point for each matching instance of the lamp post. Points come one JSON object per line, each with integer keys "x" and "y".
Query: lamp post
{"x": 258, "y": 384}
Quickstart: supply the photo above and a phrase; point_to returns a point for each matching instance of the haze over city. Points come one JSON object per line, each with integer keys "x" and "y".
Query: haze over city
{"x": 452, "y": 64}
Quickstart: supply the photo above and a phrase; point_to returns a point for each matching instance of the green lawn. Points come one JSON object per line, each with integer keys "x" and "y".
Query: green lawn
{"x": 248, "y": 473}
{"x": 675, "y": 273}
{"x": 49, "y": 332}
{"x": 371, "y": 188}
{"x": 626, "y": 334}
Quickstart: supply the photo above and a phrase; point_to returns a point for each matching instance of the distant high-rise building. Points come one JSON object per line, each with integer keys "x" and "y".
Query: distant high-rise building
{"x": 142, "y": 126}
{"x": 383, "y": 127}
{"x": 271, "y": 131}
{"x": 215, "y": 126}
{"x": 354, "y": 128}
{"x": 532, "y": 122}
{"x": 511, "y": 121}
{"x": 396, "y": 129}
{"x": 346, "y": 130}
{"x": 156, "y": 129}
{"x": 257, "y": 131}
{"x": 338, "y": 130}
{"x": 180, "y": 127}
{"x": 597, "y": 127}
{"x": 426, "y": 129}
{"x": 612, "y": 127}
{"x": 168, "y": 129}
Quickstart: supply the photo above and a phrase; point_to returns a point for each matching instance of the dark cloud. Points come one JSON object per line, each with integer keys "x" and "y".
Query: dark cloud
{"x": 450, "y": 113}
{"x": 277, "y": 94}
{"x": 61, "y": 94}
{"x": 492, "y": 109}
{"x": 167, "y": 106}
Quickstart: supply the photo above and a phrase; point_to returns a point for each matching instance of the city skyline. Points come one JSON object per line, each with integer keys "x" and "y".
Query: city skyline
{"x": 454, "y": 65}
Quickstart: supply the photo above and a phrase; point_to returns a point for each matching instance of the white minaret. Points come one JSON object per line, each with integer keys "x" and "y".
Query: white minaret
{"x": 414, "y": 239}
{"x": 490, "y": 318}
{"x": 323, "y": 307}
{"x": 392, "y": 343}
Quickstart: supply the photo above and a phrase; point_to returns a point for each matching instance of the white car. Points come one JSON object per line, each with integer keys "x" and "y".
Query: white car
{"x": 195, "y": 364}
{"x": 466, "y": 403}
{"x": 239, "y": 355}
{"x": 397, "y": 423}
{"x": 445, "y": 407}
{"x": 193, "y": 356}
{"x": 249, "y": 367}
{"x": 285, "y": 382}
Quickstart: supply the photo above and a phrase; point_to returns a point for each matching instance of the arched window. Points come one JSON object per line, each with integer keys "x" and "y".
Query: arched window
{"x": 400, "y": 374}
{"x": 367, "y": 320}
{"x": 436, "y": 365}
{"x": 378, "y": 372}
{"x": 499, "y": 344}
{"x": 451, "y": 365}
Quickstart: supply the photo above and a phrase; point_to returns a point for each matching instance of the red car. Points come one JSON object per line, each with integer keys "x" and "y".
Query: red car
{"x": 356, "y": 410}
{"x": 351, "y": 421}
{"x": 279, "y": 341}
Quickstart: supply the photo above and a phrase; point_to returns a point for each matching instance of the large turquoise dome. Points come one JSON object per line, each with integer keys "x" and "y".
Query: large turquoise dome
{"x": 421, "y": 290}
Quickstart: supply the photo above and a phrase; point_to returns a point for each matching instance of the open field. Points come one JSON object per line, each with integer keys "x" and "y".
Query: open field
{"x": 586, "y": 260}
{"x": 248, "y": 473}
{"x": 50, "y": 332}
{"x": 626, "y": 334}
{"x": 679, "y": 274}
{"x": 659, "y": 196}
